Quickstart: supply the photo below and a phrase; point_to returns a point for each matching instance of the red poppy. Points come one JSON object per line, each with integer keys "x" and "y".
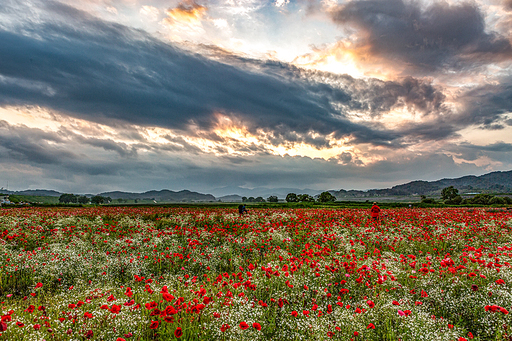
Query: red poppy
{"x": 178, "y": 332}
{"x": 115, "y": 309}
{"x": 371, "y": 304}
{"x": 154, "y": 325}
{"x": 371, "y": 326}
{"x": 256, "y": 326}
{"x": 243, "y": 325}
{"x": 151, "y": 305}
{"x": 168, "y": 297}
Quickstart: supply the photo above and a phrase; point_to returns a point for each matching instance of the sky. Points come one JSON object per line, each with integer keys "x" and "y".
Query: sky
{"x": 134, "y": 95}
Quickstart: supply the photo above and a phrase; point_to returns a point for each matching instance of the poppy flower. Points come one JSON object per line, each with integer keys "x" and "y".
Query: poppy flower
{"x": 243, "y": 325}
{"x": 115, "y": 309}
{"x": 178, "y": 332}
{"x": 154, "y": 325}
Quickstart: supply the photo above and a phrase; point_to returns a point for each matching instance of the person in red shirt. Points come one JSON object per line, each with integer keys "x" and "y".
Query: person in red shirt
{"x": 375, "y": 211}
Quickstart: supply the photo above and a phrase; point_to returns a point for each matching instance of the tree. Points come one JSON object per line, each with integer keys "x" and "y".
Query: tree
{"x": 326, "y": 197}
{"x": 455, "y": 201}
{"x": 259, "y": 199}
{"x": 82, "y": 199}
{"x": 272, "y": 198}
{"x": 67, "y": 198}
{"x": 292, "y": 197}
{"x": 497, "y": 201}
{"x": 306, "y": 198}
{"x": 97, "y": 199}
{"x": 481, "y": 199}
{"x": 244, "y": 199}
{"x": 426, "y": 200}
{"x": 449, "y": 193}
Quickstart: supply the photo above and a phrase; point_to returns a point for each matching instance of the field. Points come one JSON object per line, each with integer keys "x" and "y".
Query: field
{"x": 114, "y": 273}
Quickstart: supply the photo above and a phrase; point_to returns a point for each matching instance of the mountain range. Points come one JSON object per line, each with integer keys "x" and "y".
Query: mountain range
{"x": 164, "y": 195}
{"x": 495, "y": 182}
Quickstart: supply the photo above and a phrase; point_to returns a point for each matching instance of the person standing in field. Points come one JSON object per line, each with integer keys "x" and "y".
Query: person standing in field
{"x": 375, "y": 211}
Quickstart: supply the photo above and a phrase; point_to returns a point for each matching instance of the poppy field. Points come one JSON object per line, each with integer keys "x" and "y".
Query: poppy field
{"x": 142, "y": 273}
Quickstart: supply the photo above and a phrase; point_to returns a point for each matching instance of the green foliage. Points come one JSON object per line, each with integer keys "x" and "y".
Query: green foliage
{"x": 449, "y": 193}
{"x": 326, "y": 197}
{"x": 292, "y": 197}
{"x": 82, "y": 199}
{"x": 253, "y": 199}
{"x": 68, "y": 198}
{"x": 455, "y": 201}
{"x": 272, "y": 198}
{"x": 481, "y": 199}
{"x": 306, "y": 198}
{"x": 98, "y": 199}
{"x": 15, "y": 199}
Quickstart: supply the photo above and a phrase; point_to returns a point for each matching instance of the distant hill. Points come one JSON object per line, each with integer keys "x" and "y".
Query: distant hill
{"x": 164, "y": 195}
{"x": 495, "y": 182}
{"x": 38, "y": 192}
{"x": 230, "y": 198}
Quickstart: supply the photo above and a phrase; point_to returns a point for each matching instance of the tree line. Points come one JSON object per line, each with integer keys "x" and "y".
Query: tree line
{"x": 293, "y": 197}
{"x": 69, "y": 198}
{"x": 450, "y": 196}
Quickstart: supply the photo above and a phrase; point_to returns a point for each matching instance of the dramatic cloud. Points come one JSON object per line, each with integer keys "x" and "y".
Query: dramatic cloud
{"x": 438, "y": 37}
{"x": 110, "y": 72}
{"x": 488, "y": 106}
{"x": 124, "y": 95}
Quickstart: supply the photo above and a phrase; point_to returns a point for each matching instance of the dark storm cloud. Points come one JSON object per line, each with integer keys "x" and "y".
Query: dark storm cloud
{"x": 109, "y": 73}
{"x": 437, "y": 37}
{"x": 498, "y": 152}
{"x": 106, "y": 71}
{"x": 487, "y": 105}
{"x": 34, "y": 145}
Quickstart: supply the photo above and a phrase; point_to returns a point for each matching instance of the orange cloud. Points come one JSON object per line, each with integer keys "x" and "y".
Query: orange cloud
{"x": 185, "y": 14}
{"x": 346, "y": 57}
